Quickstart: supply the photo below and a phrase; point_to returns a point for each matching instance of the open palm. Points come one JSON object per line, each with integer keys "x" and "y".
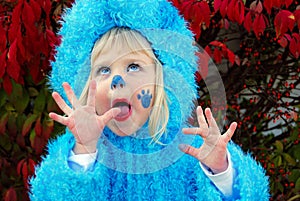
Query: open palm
{"x": 213, "y": 152}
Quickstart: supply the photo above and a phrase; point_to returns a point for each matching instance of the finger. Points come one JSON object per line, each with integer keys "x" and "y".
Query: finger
{"x": 92, "y": 93}
{"x": 196, "y": 131}
{"x": 109, "y": 115}
{"x": 58, "y": 118}
{"x": 229, "y": 133}
{"x": 201, "y": 118}
{"x": 189, "y": 150}
{"x": 61, "y": 103}
{"x": 71, "y": 96}
{"x": 210, "y": 119}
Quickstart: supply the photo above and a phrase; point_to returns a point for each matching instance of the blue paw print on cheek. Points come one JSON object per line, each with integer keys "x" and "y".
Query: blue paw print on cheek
{"x": 145, "y": 98}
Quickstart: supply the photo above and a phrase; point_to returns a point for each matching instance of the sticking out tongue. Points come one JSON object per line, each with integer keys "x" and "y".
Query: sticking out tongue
{"x": 124, "y": 110}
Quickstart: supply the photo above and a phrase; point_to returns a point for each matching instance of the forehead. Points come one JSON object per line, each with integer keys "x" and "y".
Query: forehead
{"x": 122, "y": 55}
{"x": 122, "y": 42}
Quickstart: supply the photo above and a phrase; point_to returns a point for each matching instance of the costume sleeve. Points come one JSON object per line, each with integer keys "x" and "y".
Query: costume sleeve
{"x": 55, "y": 180}
{"x": 250, "y": 181}
{"x": 224, "y": 180}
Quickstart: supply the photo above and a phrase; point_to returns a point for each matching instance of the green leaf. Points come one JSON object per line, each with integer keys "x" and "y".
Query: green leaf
{"x": 279, "y": 145}
{"x": 295, "y": 174}
{"x": 297, "y": 185}
{"x": 32, "y": 137}
{"x": 278, "y": 161}
{"x": 19, "y": 97}
{"x": 39, "y": 103}
{"x": 289, "y": 159}
{"x": 27, "y": 124}
{"x": 33, "y": 92}
{"x": 3, "y": 97}
{"x": 280, "y": 187}
{"x": 9, "y": 107}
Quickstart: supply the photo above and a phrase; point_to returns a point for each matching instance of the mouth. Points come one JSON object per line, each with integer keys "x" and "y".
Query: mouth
{"x": 125, "y": 108}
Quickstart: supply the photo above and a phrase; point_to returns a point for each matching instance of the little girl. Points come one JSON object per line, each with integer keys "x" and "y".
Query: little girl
{"x": 132, "y": 64}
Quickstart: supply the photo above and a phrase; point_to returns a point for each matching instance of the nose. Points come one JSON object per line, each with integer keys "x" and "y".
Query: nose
{"x": 117, "y": 82}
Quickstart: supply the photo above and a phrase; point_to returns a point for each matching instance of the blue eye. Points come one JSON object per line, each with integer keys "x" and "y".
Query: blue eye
{"x": 103, "y": 70}
{"x": 133, "y": 68}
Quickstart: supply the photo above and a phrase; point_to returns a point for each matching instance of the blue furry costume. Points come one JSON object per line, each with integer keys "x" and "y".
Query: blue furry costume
{"x": 131, "y": 168}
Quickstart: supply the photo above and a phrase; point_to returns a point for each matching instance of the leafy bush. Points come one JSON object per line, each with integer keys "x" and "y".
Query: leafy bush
{"x": 256, "y": 46}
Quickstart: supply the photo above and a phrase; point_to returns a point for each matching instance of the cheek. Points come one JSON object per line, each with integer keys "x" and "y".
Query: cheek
{"x": 144, "y": 97}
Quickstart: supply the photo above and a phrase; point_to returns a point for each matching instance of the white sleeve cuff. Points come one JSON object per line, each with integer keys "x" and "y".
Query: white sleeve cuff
{"x": 224, "y": 180}
{"x": 84, "y": 160}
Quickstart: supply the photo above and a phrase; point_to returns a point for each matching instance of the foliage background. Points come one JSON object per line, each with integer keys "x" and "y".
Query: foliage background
{"x": 255, "y": 44}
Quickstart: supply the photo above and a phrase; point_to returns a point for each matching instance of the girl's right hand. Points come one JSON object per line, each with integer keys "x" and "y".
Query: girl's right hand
{"x": 82, "y": 120}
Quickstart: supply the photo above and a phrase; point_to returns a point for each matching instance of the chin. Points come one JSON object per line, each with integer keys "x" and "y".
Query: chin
{"x": 123, "y": 128}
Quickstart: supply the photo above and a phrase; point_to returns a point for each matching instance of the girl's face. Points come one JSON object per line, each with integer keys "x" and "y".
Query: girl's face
{"x": 125, "y": 79}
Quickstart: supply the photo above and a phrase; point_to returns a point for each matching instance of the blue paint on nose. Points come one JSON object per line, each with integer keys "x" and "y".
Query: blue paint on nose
{"x": 117, "y": 82}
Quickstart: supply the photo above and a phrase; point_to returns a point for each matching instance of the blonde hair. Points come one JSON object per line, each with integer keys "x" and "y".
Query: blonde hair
{"x": 133, "y": 40}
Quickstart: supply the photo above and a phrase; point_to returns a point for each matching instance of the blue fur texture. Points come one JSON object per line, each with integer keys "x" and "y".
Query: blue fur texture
{"x": 118, "y": 176}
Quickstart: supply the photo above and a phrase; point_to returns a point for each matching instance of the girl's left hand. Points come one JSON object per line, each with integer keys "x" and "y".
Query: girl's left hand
{"x": 213, "y": 152}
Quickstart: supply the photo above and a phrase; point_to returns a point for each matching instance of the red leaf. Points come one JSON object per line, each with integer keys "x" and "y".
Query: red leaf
{"x": 248, "y": 22}
{"x": 15, "y": 26}
{"x": 7, "y": 85}
{"x": 28, "y": 15}
{"x": 38, "y": 127}
{"x": 283, "y": 41}
{"x": 31, "y": 165}
{"x": 198, "y": 14}
{"x": 217, "y": 43}
{"x": 230, "y": 56}
{"x": 20, "y": 166}
{"x": 37, "y": 9}
{"x": 208, "y": 50}
{"x": 256, "y": 7}
{"x": 13, "y": 67}
{"x": 22, "y": 52}
{"x": 288, "y": 3}
{"x": 204, "y": 9}
{"x": 3, "y": 39}
{"x": 39, "y": 144}
{"x": 239, "y": 12}
{"x": 3, "y": 63}
{"x": 46, "y": 6}
{"x": 283, "y": 21}
{"x": 186, "y": 10}
{"x": 217, "y": 56}
{"x": 297, "y": 17}
{"x": 10, "y": 195}
{"x": 25, "y": 174}
{"x": 48, "y": 126}
{"x": 217, "y": 5}
{"x": 35, "y": 69}
{"x": 259, "y": 24}
{"x": 223, "y": 8}
{"x": 231, "y": 10}
{"x": 268, "y": 4}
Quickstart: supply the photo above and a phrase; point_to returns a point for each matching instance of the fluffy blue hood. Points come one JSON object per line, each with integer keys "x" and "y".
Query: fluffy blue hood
{"x": 157, "y": 20}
